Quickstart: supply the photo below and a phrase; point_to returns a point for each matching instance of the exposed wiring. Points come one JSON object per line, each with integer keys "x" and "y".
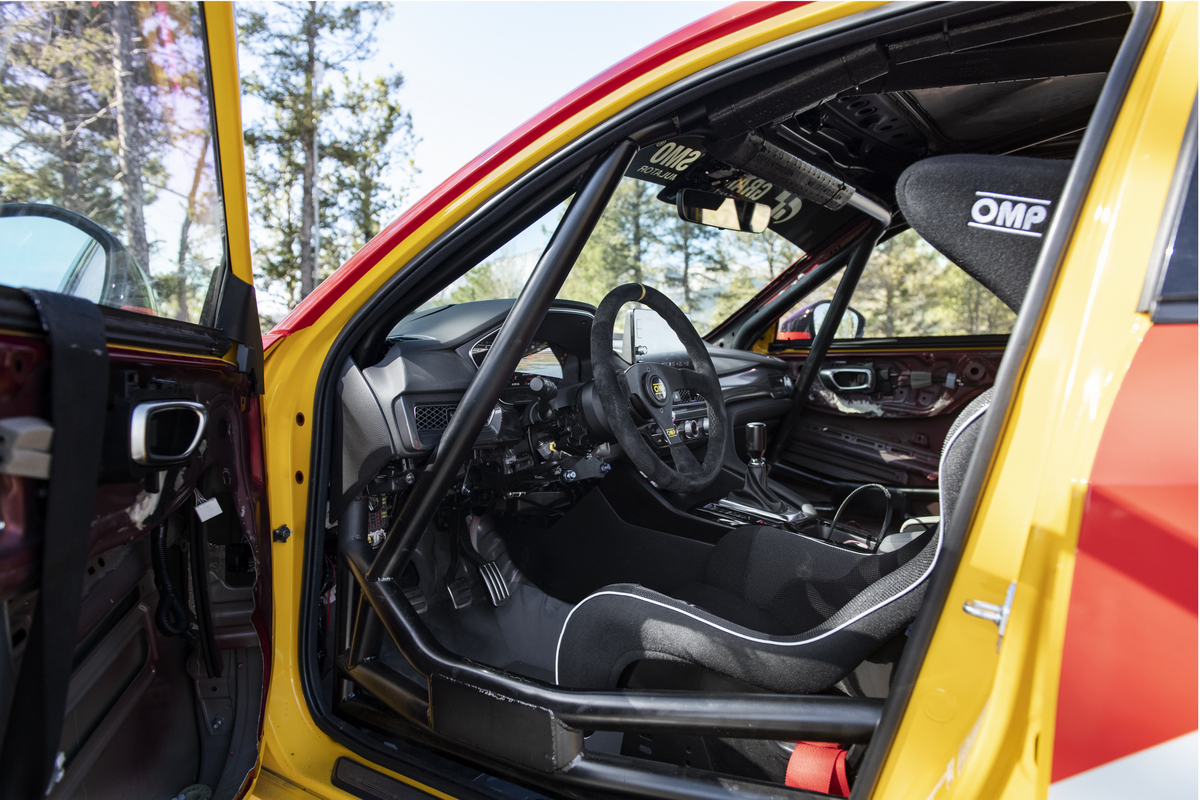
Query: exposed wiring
{"x": 171, "y": 616}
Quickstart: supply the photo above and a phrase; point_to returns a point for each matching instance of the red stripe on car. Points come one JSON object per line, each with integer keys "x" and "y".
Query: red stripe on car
{"x": 1129, "y": 674}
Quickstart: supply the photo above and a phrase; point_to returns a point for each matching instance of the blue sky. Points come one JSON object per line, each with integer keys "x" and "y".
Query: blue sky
{"x": 476, "y": 70}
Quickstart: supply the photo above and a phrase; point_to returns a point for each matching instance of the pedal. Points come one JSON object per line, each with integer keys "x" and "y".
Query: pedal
{"x": 417, "y": 598}
{"x": 460, "y": 590}
{"x": 493, "y": 579}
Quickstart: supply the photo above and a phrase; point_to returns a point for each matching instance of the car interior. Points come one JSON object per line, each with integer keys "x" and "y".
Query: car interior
{"x": 660, "y": 549}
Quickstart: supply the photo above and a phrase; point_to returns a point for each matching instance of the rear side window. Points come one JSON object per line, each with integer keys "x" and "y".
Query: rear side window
{"x": 908, "y": 289}
{"x": 1176, "y": 300}
{"x": 108, "y": 183}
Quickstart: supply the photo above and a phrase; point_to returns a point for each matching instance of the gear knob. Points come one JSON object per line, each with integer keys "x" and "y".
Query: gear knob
{"x": 756, "y": 441}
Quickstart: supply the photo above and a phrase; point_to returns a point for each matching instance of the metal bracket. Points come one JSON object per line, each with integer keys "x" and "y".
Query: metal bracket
{"x": 25, "y": 447}
{"x": 994, "y": 613}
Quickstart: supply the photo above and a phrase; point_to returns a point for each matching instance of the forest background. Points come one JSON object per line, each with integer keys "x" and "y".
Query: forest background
{"x": 334, "y": 151}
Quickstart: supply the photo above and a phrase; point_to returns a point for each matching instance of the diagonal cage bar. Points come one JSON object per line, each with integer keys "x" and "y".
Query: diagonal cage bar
{"x": 505, "y": 716}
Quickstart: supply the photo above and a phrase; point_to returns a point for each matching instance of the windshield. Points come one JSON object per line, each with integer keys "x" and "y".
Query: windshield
{"x": 640, "y": 238}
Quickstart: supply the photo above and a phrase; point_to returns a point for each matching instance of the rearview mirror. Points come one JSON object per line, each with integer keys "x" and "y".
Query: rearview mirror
{"x": 718, "y": 211}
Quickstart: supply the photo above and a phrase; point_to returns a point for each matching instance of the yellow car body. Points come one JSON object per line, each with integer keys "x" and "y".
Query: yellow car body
{"x": 983, "y": 719}
{"x": 981, "y": 723}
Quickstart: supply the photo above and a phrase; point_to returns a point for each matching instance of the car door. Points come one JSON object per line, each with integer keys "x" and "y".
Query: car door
{"x": 134, "y": 579}
{"x": 922, "y": 339}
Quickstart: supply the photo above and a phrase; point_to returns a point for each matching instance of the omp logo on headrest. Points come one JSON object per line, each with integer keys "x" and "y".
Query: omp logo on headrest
{"x": 1008, "y": 213}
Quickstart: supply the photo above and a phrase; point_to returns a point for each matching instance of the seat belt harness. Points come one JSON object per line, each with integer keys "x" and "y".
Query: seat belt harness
{"x": 30, "y": 762}
{"x": 818, "y": 767}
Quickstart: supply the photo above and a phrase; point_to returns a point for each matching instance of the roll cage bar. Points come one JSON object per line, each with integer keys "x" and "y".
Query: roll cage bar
{"x": 519, "y": 720}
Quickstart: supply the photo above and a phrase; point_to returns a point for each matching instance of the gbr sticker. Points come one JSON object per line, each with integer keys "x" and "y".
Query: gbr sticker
{"x": 784, "y": 204}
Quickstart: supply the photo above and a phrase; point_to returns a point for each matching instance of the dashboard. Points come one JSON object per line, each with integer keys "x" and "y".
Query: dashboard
{"x": 545, "y": 422}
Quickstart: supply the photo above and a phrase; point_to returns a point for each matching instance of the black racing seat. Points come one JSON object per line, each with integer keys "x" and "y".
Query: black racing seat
{"x": 790, "y": 613}
{"x": 776, "y": 609}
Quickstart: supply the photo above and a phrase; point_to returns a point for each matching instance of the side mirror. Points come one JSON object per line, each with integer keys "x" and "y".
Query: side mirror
{"x": 718, "y": 211}
{"x": 804, "y": 324}
{"x": 47, "y": 247}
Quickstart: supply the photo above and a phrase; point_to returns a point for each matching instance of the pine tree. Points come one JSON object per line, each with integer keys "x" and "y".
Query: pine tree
{"x": 375, "y": 143}
{"x": 623, "y": 246}
{"x": 695, "y": 260}
{"x": 59, "y": 132}
{"x": 363, "y": 130}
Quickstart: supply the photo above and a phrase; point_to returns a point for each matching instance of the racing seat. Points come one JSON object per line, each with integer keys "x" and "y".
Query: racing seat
{"x": 795, "y": 614}
{"x": 777, "y": 610}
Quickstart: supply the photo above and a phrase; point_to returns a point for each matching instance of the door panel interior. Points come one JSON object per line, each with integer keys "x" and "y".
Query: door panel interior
{"x": 892, "y": 432}
{"x": 146, "y": 714}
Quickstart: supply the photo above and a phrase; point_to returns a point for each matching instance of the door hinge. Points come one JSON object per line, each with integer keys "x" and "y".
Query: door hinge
{"x": 994, "y": 613}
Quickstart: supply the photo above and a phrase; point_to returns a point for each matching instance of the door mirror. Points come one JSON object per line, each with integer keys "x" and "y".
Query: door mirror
{"x": 50, "y": 248}
{"x": 805, "y": 323}
{"x": 718, "y": 211}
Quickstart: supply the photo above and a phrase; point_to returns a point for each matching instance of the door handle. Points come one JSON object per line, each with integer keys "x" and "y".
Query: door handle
{"x": 166, "y": 432}
{"x": 848, "y": 379}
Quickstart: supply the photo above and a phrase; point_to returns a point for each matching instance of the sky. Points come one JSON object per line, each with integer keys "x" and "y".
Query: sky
{"x": 476, "y": 70}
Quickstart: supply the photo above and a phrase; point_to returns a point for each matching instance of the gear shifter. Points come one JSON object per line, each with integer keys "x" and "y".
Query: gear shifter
{"x": 756, "y": 487}
{"x": 757, "y": 493}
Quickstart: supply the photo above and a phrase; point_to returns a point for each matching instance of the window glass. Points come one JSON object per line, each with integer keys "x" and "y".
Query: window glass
{"x": 1176, "y": 300}
{"x": 907, "y": 289}
{"x": 708, "y": 272}
{"x": 108, "y": 183}
{"x": 504, "y": 273}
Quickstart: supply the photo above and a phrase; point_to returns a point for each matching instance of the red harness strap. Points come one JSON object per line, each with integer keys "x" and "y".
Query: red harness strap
{"x": 818, "y": 767}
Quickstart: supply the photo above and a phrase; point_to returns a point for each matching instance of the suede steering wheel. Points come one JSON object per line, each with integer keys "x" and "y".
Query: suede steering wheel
{"x": 655, "y": 385}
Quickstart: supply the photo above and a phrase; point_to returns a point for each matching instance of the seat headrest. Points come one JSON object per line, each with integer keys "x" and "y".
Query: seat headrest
{"x": 987, "y": 214}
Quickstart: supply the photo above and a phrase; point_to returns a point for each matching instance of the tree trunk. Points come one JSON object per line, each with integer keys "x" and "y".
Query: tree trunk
{"x": 637, "y": 237}
{"x": 307, "y": 133}
{"x": 128, "y": 146}
{"x": 69, "y": 168}
{"x": 6, "y": 34}
{"x": 189, "y": 215}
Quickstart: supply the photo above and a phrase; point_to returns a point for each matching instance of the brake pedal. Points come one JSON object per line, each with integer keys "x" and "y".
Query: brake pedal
{"x": 493, "y": 579}
{"x": 460, "y": 591}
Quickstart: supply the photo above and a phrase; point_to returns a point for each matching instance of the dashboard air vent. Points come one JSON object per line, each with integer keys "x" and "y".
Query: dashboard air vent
{"x": 433, "y": 418}
{"x": 686, "y": 397}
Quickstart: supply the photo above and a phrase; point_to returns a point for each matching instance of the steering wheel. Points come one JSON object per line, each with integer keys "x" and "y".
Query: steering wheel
{"x": 654, "y": 385}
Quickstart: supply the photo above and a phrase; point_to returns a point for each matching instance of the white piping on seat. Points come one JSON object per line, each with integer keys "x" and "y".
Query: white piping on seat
{"x": 818, "y": 637}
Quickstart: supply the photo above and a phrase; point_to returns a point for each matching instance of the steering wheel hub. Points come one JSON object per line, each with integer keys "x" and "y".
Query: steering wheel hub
{"x": 657, "y": 389}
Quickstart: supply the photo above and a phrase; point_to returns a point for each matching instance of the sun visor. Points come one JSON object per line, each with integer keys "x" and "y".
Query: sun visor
{"x": 987, "y": 214}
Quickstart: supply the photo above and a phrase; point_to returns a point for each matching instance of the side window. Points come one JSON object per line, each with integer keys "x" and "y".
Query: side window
{"x": 1176, "y": 296}
{"x": 108, "y": 184}
{"x": 908, "y": 289}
